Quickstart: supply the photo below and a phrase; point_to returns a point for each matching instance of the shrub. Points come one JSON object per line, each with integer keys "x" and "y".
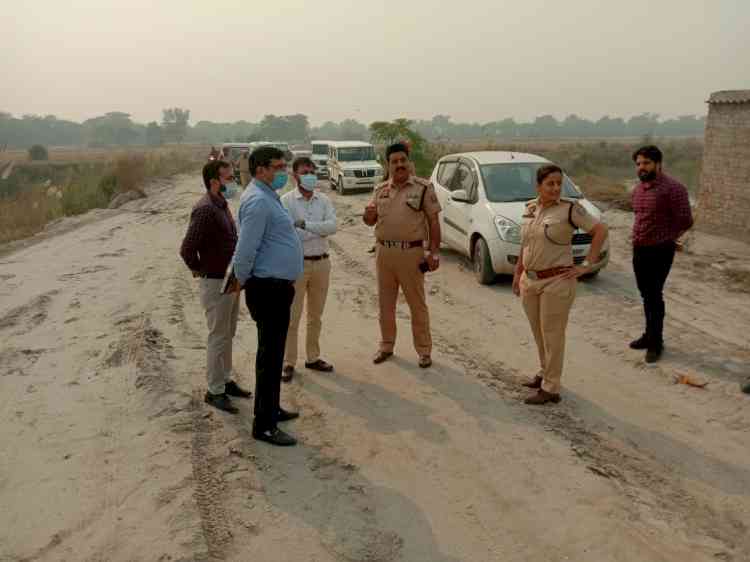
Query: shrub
{"x": 38, "y": 152}
{"x": 129, "y": 171}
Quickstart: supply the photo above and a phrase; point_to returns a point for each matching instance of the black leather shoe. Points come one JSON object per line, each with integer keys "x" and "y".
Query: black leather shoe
{"x": 640, "y": 343}
{"x": 233, "y": 389}
{"x": 285, "y": 415}
{"x": 653, "y": 354}
{"x": 542, "y": 397}
{"x": 287, "y": 374}
{"x": 536, "y": 382}
{"x": 319, "y": 365}
{"x": 275, "y": 437}
{"x": 220, "y": 401}
{"x": 381, "y": 356}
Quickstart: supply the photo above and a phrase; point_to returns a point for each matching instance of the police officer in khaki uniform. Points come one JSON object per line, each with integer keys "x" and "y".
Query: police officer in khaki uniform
{"x": 545, "y": 276}
{"x": 404, "y": 211}
{"x": 244, "y": 167}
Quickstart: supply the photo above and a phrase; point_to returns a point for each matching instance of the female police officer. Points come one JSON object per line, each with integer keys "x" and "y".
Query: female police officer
{"x": 545, "y": 276}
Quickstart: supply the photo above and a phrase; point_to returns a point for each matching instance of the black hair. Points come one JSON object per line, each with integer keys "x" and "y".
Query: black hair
{"x": 394, "y": 148}
{"x": 302, "y": 161}
{"x": 211, "y": 171}
{"x": 262, "y": 157}
{"x": 649, "y": 151}
{"x": 544, "y": 171}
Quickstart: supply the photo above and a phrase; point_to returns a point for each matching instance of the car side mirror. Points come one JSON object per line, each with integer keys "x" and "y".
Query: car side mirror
{"x": 460, "y": 196}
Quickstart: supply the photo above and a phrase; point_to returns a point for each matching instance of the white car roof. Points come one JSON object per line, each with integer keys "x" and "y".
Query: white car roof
{"x": 322, "y": 142}
{"x": 499, "y": 157}
{"x": 236, "y": 144}
{"x": 348, "y": 144}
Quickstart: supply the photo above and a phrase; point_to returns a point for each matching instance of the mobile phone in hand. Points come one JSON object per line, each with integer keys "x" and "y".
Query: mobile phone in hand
{"x": 424, "y": 267}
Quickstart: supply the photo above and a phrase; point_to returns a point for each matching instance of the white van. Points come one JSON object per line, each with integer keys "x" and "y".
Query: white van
{"x": 353, "y": 165}
{"x": 320, "y": 157}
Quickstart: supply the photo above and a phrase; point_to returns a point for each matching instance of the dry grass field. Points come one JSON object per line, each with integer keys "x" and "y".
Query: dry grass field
{"x": 74, "y": 181}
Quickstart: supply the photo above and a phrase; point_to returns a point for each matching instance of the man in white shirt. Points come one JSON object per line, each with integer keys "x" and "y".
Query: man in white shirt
{"x": 315, "y": 219}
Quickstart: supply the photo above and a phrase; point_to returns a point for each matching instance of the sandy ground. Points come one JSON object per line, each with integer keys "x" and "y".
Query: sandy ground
{"x": 108, "y": 452}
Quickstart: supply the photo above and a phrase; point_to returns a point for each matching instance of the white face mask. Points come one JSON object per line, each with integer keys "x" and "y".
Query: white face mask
{"x": 308, "y": 181}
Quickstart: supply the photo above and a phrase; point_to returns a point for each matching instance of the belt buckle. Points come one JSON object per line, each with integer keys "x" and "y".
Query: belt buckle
{"x": 532, "y": 275}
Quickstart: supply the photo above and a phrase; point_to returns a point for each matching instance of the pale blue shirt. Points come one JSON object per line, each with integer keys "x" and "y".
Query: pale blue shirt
{"x": 268, "y": 245}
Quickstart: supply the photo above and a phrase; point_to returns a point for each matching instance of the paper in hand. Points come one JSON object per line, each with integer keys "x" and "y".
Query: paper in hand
{"x": 229, "y": 282}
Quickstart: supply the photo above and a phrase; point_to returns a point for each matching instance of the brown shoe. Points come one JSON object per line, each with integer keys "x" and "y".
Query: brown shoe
{"x": 542, "y": 397}
{"x": 381, "y": 356}
{"x": 425, "y": 361}
{"x": 536, "y": 382}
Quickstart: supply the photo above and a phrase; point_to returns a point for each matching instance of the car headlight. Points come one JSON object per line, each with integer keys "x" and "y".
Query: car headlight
{"x": 508, "y": 230}
{"x": 349, "y": 173}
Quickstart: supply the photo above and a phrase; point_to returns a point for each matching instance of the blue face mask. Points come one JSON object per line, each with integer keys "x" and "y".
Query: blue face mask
{"x": 279, "y": 180}
{"x": 308, "y": 181}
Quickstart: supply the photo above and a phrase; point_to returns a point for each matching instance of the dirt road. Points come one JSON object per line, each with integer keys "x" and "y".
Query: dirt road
{"x": 108, "y": 452}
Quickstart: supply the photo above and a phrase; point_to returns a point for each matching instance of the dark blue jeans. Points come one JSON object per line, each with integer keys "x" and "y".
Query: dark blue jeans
{"x": 269, "y": 302}
{"x": 651, "y": 265}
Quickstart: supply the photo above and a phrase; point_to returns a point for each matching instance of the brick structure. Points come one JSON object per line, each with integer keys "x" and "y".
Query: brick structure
{"x": 724, "y": 194}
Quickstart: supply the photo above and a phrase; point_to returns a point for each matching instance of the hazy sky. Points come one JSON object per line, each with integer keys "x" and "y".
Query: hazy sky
{"x": 379, "y": 59}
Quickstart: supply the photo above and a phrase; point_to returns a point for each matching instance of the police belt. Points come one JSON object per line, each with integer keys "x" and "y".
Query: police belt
{"x": 547, "y": 273}
{"x": 400, "y": 244}
{"x": 317, "y": 258}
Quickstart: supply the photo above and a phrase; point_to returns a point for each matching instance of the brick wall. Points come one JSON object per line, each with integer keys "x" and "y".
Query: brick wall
{"x": 724, "y": 196}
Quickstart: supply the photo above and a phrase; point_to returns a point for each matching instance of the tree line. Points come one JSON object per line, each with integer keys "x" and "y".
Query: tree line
{"x": 118, "y": 129}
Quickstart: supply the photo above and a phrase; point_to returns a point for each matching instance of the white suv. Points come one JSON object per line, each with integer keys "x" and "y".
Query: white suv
{"x": 353, "y": 165}
{"x": 483, "y": 195}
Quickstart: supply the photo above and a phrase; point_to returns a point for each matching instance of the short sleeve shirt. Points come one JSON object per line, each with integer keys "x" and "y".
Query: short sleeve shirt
{"x": 547, "y": 233}
{"x": 403, "y": 211}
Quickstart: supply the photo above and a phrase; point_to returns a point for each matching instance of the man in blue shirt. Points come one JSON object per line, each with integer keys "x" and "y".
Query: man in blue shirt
{"x": 267, "y": 262}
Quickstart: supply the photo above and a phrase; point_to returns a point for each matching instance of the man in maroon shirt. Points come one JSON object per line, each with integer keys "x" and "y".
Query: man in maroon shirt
{"x": 662, "y": 215}
{"x": 207, "y": 249}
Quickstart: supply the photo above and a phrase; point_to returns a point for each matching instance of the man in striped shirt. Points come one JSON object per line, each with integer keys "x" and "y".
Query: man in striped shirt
{"x": 662, "y": 216}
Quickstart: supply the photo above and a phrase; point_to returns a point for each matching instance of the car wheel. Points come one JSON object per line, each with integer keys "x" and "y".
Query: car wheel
{"x": 482, "y": 263}
{"x": 342, "y": 189}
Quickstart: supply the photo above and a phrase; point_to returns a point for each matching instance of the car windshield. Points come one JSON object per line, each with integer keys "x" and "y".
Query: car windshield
{"x": 320, "y": 149}
{"x": 517, "y": 182}
{"x": 356, "y": 154}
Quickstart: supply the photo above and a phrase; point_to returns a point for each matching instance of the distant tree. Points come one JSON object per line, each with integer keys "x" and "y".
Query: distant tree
{"x": 113, "y": 128}
{"x": 644, "y": 124}
{"x": 384, "y": 132}
{"x": 174, "y": 123}
{"x": 38, "y": 152}
{"x": 153, "y": 134}
{"x": 288, "y": 128}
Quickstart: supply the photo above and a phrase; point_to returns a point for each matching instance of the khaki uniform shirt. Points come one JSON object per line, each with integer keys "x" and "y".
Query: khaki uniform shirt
{"x": 547, "y": 234}
{"x": 244, "y": 163}
{"x": 403, "y": 211}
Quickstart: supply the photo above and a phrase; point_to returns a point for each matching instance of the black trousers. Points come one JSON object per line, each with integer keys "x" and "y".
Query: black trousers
{"x": 651, "y": 265}
{"x": 269, "y": 302}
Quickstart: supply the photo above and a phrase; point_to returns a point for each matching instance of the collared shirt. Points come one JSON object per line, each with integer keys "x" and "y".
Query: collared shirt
{"x": 268, "y": 245}
{"x": 547, "y": 233}
{"x": 319, "y": 216}
{"x": 403, "y": 210}
{"x": 662, "y": 211}
{"x": 211, "y": 236}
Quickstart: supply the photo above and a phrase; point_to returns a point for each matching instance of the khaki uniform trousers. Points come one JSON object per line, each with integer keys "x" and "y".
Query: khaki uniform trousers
{"x": 314, "y": 285}
{"x": 244, "y": 178}
{"x": 400, "y": 268}
{"x": 221, "y": 316}
{"x": 547, "y": 305}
